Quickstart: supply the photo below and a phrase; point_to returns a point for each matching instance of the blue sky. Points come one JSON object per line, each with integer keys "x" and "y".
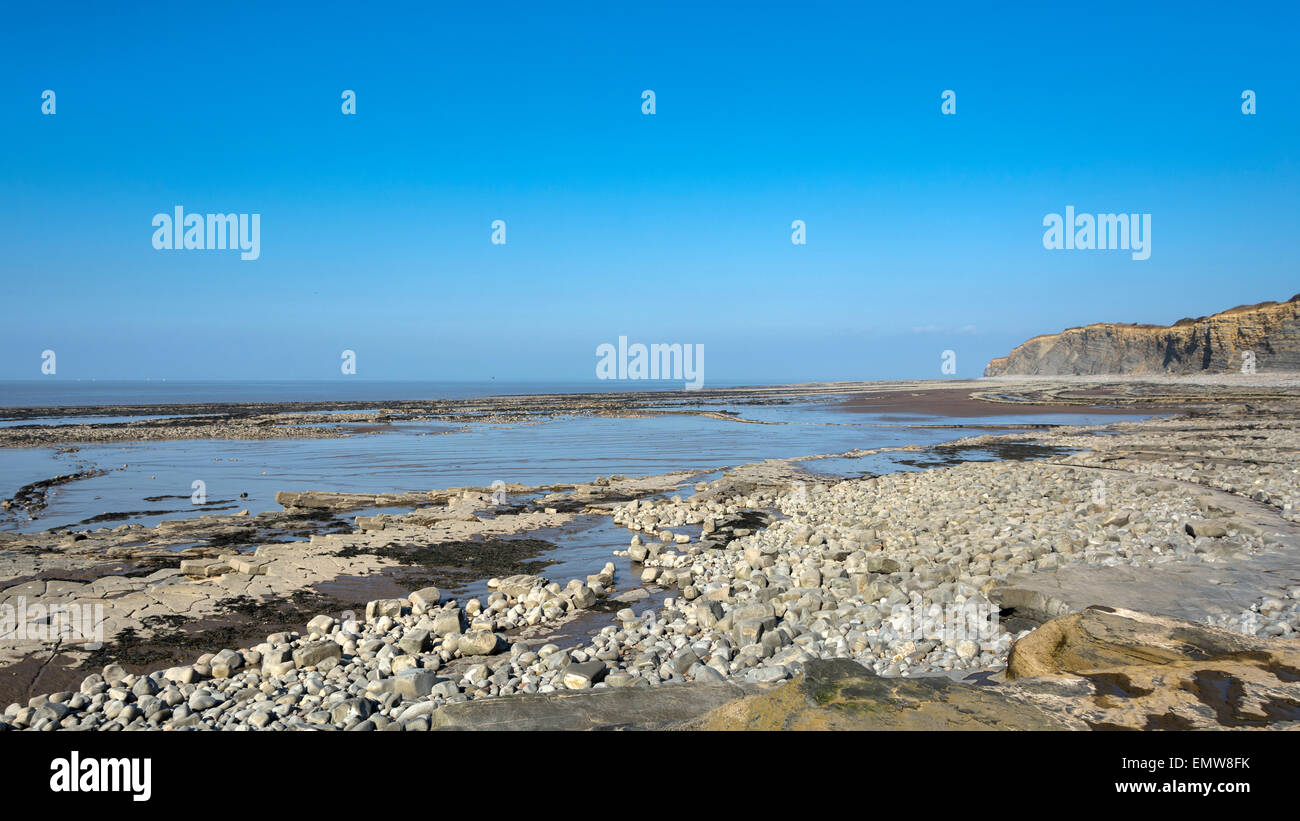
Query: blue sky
{"x": 924, "y": 230}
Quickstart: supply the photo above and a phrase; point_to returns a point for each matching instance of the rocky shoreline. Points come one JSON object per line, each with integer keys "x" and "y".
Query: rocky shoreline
{"x": 255, "y": 421}
{"x": 938, "y": 586}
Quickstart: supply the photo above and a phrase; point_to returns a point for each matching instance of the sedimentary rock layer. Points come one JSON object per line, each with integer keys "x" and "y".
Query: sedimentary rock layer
{"x": 1219, "y": 343}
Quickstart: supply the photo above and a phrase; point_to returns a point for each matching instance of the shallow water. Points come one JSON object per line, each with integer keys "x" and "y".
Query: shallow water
{"x": 155, "y": 480}
{"x": 582, "y": 548}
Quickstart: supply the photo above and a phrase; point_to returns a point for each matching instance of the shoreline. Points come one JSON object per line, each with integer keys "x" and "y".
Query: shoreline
{"x": 1146, "y": 463}
{"x": 255, "y": 421}
{"x": 959, "y": 403}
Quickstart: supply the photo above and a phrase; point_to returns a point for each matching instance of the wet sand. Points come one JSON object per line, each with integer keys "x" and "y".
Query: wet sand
{"x": 315, "y": 420}
{"x": 908, "y": 404}
{"x": 1061, "y": 395}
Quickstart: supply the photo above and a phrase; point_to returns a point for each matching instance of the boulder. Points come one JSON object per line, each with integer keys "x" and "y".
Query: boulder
{"x": 1206, "y": 527}
{"x": 414, "y": 642}
{"x": 248, "y": 566}
{"x": 518, "y": 586}
{"x": 424, "y": 599}
{"x": 184, "y": 674}
{"x": 479, "y": 643}
{"x": 351, "y": 708}
{"x": 311, "y": 655}
{"x": 415, "y": 683}
{"x": 584, "y": 597}
{"x": 585, "y": 674}
{"x": 379, "y": 608}
{"x": 321, "y": 624}
{"x": 448, "y": 622}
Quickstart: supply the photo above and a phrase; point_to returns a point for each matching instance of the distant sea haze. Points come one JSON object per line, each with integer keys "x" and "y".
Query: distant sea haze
{"x": 66, "y": 392}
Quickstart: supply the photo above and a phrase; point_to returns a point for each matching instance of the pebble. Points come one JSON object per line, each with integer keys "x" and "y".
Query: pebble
{"x": 890, "y": 571}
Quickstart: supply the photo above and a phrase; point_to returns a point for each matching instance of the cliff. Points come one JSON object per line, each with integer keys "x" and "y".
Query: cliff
{"x": 1207, "y": 344}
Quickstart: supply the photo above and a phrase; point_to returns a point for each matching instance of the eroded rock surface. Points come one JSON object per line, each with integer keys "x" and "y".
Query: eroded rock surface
{"x": 839, "y": 694}
{"x": 1155, "y": 672}
{"x": 756, "y": 578}
{"x": 1103, "y": 669}
{"x": 1269, "y": 331}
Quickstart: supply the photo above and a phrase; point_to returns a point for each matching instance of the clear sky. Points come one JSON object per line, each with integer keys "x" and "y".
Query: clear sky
{"x": 924, "y": 231}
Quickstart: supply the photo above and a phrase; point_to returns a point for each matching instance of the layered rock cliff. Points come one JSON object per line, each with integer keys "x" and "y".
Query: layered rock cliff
{"x": 1270, "y": 330}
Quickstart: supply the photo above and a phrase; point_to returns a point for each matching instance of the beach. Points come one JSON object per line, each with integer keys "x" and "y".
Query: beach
{"x": 723, "y": 544}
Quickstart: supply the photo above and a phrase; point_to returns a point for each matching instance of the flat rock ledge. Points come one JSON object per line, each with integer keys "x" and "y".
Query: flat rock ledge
{"x": 642, "y": 708}
{"x": 1137, "y": 671}
{"x": 840, "y": 694}
{"x": 1102, "y": 669}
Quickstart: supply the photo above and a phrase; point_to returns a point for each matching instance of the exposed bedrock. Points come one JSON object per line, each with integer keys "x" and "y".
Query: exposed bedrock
{"x": 1218, "y": 344}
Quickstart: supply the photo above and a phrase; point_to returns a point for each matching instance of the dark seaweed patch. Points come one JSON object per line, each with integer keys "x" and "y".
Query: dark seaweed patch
{"x": 450, "y": 565}
{"x": 239, "y": 620}
{"x": 954, "y": 454}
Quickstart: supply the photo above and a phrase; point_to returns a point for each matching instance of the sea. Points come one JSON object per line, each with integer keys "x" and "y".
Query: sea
{"x": 148, "y": 482}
